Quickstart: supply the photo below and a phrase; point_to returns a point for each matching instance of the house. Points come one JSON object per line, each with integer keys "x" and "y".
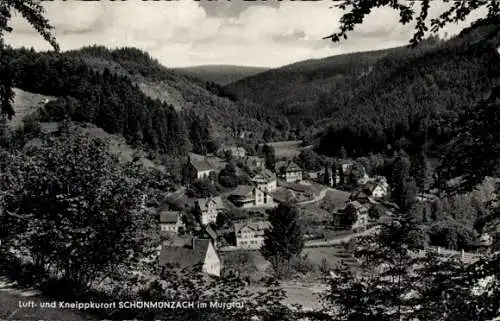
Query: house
{"x": 171, "y": 221}
{"x": 250, "y": 235}
{"x": 290, "y": 172}
{"x": 200, "y": 254}
{"x": 265, "y": 180}
{"x": 247, "y": 196}
{"x": 314, "y": 175}
{"x": 201, "y": 167}
{"x": 377, "y": 189}
{"x": 254, "y": 162}
{"x": 362, "y": 196}
{"x": 346, "y": 168}
{"x": 208, "y": 209}
{"x": 361, "y": 212}
{"x": 319, "y": 177}
{"x": 485, "y": 240}
{"x": 237, "y": 152}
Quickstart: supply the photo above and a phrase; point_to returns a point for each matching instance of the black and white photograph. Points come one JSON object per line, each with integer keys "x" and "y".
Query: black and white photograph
{"x": 237, "y": 160}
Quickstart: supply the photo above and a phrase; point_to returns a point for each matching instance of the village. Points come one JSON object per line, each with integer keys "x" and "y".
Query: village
{"x": 203, "y": 226}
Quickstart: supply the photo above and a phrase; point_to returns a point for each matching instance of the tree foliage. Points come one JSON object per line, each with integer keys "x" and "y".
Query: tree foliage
{"x": 72, "y": 207}
{"x": 356, "y": 12}
{"x": 269, "y": 157}
{"x": 33, "y": 12}
{"x": 284, "y": 239}
{"x": 228, "y": 177}
{"x": 403, "y": 185}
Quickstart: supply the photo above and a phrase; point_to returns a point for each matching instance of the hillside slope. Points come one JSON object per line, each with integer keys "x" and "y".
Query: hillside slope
{"x": 125, "y": 92}
{"x": 29, "y": 104}
{"x": 370, "y": 101}
{"x": 294, "y": 89}
{"x": 26, "y": 103}
{"x": 183, "y": 92}
{"x": 220, "y": 74}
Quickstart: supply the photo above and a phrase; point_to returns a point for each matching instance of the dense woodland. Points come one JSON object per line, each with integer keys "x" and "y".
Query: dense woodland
{"x": 368, "y": 102}
{"x": 102, "y": 87}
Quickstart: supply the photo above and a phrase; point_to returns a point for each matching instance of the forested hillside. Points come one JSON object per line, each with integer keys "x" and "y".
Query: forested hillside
{"x": 370, "y": 101}
{"x": 126, "y": 92}
{"x": 221, "y": 74}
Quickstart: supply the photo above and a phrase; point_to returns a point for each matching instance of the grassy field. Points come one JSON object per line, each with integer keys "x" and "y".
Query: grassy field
{"x": 332, "y": 255}
{"x": 25, "y": 103}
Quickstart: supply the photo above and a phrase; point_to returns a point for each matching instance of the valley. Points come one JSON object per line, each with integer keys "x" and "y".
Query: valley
{"x": 352, "y": 178}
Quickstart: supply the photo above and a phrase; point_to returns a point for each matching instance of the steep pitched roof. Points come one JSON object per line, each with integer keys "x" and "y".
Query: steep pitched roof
{"x": 203, "y": 202}
{"x": 292, "y": 167}
{"x": 216, "y": 162}
{"x": 255, "y": 225}
{"x": 169, "y": 216}
{"x": 184, "y": 256}
{"x": 359, "y": 195}
{"x": 202, "y": 165}
{"x": 265, "y": 174}
{"x": 242, "y": 190}
{"x": 356, "y": 204}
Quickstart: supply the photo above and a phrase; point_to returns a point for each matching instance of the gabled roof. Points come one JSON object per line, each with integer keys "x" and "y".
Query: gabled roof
{"x": 265, "y": 174}
{"x": 255, "y": 225}
{"x": 169, "y": 216}
{"x": 359, "y": 195}
{"x": 216, "y": 162}
{"x": 370, "y": 186}
{"x": 184, "y": 256}
{"x": 292, "y": 167}
{"x": 203, "y": 202}
{"x": 357, "y": 205}
{"x": 242, "y": 190}
{"x": 202, "y": 165}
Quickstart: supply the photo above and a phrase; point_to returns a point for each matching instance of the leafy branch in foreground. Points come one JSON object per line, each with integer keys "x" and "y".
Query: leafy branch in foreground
{"x": 395, "y": 280}
{"x": 33, "y": 12}
{"x": 357, "y": 10}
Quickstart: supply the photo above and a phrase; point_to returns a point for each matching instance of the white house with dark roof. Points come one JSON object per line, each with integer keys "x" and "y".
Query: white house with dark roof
{"x": 265, "y": 180}
{"x": 199, "y": 255}
{"x": 289, "y": 171}
{"x": 208, "y": 209}
{"x": 171, "y": 221}
{"x": 377, "y": 189}
{"x": 247, "y": 196}
{"x": 250, "y": 235}
{"x": 202, "y": 168}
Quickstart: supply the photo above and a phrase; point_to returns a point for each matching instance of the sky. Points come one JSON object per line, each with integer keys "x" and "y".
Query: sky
{"x": 188, "y": 33}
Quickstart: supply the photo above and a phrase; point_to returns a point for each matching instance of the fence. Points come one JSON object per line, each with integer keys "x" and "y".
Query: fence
{"x": 465, "y": 256}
